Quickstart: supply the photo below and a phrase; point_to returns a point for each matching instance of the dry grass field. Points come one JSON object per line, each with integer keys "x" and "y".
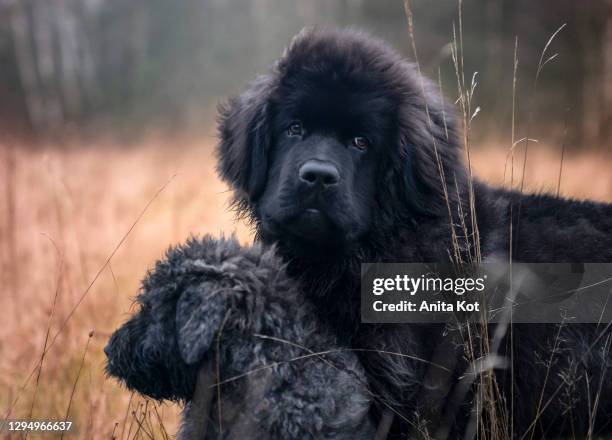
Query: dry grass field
{"x": 80, "y": 225}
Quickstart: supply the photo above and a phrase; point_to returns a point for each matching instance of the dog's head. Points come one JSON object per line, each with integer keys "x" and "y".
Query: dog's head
{"x": 340, "y": 134}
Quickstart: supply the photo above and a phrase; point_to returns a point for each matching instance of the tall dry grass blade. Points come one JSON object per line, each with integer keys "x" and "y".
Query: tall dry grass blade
{"x": 461, "y": 390}
{"x": 512, "y": 380}
{"x": 76, "y": 380}
{"x": 541, "y": 64}
{"x": 160, "y": 423}
{"x": 464, "y": 228}
{"x": 461, "y": 59}
{"x": 115, "y": 283}
{"x": 547, "y": 374}
{"x": 593, "y": 413}
{"x": 146, "y": 421}
{"x": 87, "y": 290}
{"x": 546, "y": 46}
{"x": 133, "y": 414}
{"x": 126, "y": 414}
{"x": 455, "y": 242}
{"x": 91, "y": 407}
{"x": 487, "y": 394}
{"x": 142, "y": 422}
{"x": 465, "y": 100}
{"x": 464, "y": 105}
{"x": 510, "y": 153}
{"x": 443, "y": 102}
{"x": 51, "y": 315}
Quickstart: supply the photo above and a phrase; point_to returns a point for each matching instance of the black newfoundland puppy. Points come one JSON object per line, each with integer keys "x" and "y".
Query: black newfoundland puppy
{"x": 343, "y": 154}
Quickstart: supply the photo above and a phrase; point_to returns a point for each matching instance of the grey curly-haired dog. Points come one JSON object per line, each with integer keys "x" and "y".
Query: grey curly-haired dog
{"x": 272, "y": 382}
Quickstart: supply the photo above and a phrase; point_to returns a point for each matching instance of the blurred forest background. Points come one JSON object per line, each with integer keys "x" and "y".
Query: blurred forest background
{"x": 120, "y": 68}
{"x": 107, "y": 113}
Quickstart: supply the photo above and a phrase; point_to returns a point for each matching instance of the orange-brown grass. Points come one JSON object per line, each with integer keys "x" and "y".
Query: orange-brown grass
{"x": 62, "y": 213}
{"x": 83, "y": 201}
{"x": 585, "y": 175}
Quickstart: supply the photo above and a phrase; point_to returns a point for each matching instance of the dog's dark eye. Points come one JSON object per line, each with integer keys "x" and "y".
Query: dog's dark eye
{"x": 361, "y": 142}
{"x": 295, "y": 129}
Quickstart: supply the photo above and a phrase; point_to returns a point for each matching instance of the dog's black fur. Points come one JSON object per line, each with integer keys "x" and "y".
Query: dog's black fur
{"x": 389, "y": 203}
{"x": 279, "y": 389}
{"x": 336, "y": 156}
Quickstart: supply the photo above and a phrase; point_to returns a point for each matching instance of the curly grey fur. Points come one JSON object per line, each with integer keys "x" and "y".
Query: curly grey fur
{"x": 210, "y": 284}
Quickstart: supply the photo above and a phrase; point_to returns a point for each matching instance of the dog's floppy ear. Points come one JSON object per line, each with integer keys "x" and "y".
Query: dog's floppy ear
{"x": 431, "y": 148}
{"x": 244, "y": 138}
{"x": 198, "y": 318}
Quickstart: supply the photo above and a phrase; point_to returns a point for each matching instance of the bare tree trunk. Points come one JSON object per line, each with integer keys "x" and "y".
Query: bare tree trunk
{"x": 606, "y": 105}
{"x": 591, "y": 35}
{"x": 26, "y": 64}
{"x": 55, "y": 61}
{"x": 46, "y": 50}
{"x": 11, "y": 265}
{"x": 494, "y": 48}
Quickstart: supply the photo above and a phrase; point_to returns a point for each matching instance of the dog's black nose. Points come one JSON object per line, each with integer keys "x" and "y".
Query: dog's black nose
{"x": 107, "y": 350}
{"x": 314, "y": 172}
